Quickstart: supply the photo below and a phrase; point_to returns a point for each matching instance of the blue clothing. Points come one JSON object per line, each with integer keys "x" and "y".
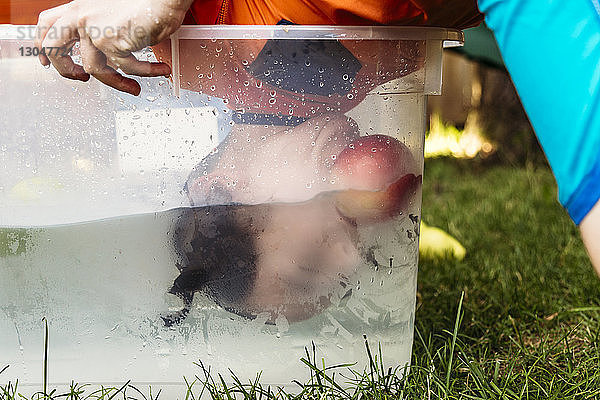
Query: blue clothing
{"x": 552, "y": 50}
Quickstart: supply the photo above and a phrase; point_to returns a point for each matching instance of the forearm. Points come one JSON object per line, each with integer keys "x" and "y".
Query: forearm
{"x": 590, "y": 232}
{"x": 174, "y": 8}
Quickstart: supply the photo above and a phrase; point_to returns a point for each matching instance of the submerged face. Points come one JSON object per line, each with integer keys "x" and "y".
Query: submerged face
{"x": 259, "y": 164}
{"x": 298, "y": 196}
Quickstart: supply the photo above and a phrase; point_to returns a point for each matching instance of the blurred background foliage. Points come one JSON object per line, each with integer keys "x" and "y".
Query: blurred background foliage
{"x": 479, "y": 114}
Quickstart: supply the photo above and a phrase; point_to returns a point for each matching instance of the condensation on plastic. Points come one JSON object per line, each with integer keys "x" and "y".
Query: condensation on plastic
{"x": 93, "y": 188}
{"x": 80, "y": 152}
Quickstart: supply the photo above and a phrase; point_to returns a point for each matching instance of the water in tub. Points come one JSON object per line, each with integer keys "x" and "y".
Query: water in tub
{"x": 104, "y": 288}
{"x": 245, "y": 287}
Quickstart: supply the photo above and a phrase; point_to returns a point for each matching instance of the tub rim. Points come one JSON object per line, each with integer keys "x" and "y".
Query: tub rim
{"x": 450, "y": 37}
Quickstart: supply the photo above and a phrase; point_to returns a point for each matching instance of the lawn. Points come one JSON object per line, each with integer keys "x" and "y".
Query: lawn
{"x": 531, "y": 310}
{"x": 517, "y": 318}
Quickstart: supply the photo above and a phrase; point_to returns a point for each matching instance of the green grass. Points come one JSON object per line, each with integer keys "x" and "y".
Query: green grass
{"x": 531, "y": 299}
{"x": 517, "y": 318}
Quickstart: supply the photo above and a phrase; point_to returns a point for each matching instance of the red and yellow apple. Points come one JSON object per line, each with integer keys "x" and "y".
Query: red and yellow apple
{"x": 377, "y": 176}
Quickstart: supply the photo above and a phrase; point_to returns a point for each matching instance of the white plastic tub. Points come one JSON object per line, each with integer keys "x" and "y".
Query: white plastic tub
{"x": 96, "y": 217}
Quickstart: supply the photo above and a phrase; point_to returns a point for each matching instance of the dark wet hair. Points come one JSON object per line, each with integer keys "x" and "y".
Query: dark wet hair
{"x": 219, "y": 257}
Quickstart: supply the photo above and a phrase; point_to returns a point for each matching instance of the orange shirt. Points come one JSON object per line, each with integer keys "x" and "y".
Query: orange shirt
{"x": 298, "y": 79}
{"x": 458, "y": 14}
{"x": 448, "y": 13}
{"x": 245, "y": 90}
{"x": 232, "y": 76}
{"x": 24, "y": 12}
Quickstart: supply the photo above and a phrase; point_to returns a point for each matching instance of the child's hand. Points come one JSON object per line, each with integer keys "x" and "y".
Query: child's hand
{"x": 108, "y": 32}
